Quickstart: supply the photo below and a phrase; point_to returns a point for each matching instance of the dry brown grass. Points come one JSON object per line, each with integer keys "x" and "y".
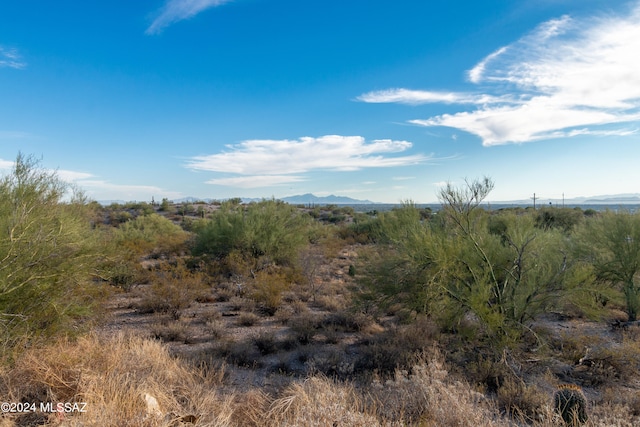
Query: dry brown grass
{"x": 118, "y": 376}
{"x": 112, "y": 376}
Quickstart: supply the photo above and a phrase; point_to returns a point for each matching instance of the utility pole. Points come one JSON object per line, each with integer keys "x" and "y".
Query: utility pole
{"x": 534, "y": 201}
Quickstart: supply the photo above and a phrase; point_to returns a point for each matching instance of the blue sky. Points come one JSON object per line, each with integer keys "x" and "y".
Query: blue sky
{"x": 369, "y": 99}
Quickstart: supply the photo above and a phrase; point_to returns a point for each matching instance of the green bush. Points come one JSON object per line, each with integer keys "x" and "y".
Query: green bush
{"x": 267, "y": 289}
{"x": 151, "y": 233}
{"x": 269, "y": 229}
{"x": 610, "y": 242}
{"x": 498, "y": 269}
{"x": 48, "y": 252}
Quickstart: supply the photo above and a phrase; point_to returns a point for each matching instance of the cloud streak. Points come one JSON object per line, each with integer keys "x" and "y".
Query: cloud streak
{"x": 257, "y": 181}
{"x": 178, "y": 10}
{"x": 105, "y": 190}
{"x": 417, "y": 97}
{"x": 262, "y": 163}
{"x": 100, "y": 189}
{"x": 11, "y": 58}
{"x": 567, "y": 77}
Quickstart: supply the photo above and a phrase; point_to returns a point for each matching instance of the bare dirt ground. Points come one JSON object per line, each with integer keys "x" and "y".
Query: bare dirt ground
{"x": 257, "y": 350}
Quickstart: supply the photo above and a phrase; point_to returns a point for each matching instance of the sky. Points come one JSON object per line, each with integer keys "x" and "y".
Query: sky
{"x": 370, "y": 99}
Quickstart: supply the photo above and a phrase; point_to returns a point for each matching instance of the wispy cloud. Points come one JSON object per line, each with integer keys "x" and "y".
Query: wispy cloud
{"x": 178, "y": 10}
{"x": 416, "y": 97}
{"x": 261, "y": 163}
{"x": 72, "y": 176}
{"x": 64, "y": 175}
{"x": 103, "y": 190}
{"x": 568, "y": 77}
{"x": 10, "y": 57}
{"x": 257, "y": 181}
{"x": 475, "y": 74}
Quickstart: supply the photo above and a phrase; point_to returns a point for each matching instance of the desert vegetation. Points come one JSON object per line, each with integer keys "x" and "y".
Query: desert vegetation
{"x": 267, "y": 314}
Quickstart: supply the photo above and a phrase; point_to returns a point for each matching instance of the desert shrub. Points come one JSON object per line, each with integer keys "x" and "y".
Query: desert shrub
{"x": 332, "y": 303}
{"x": 242, "y": 353}
{"x": 48, "y": 253}
{"x": 248, "y": 319}
{"x": 363, "y": 229}
{"x": 166, "y": 206}
{"x": 520, "y": 400}
{"x": 267, "y": 289}
{"x": 502, "y": 272}
{"x": 331, "y": 361}
{"x": 304, "y": 327}
{"x": 151, "y": 233}
{"x": 395, "y": 348}
{"x": 242, "y": 304}
{"x": 215, "y": 328}
{"x": 173, "y": 330}
{"x": 220, "y": 235}
{"x": 268, "y": 229}
{"x": 347, "y": 321}
{"x": 600, "y": 363}
{"x": 564, "y": 219}
{"x": 266, "y": 342}
{"x": 610, "y": 242}
{"x": 173, "y": 288}
{"x": 120, "y": 274}
{"x": 284, "y": 314}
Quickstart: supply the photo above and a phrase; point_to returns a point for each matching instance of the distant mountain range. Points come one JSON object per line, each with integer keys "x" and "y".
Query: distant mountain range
{"x": 306, "y": 199}
{"x": 326, "y": 200}
{"x": 611, "y": 199}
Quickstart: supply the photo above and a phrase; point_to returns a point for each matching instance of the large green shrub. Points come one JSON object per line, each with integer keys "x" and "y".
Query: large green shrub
{"x": 470, "y": 264}
{"x": 610, "y": 242}
{"x": 47, "y": 252}
{"x": 151, "y": 233}
{"x": 269, "y": 230}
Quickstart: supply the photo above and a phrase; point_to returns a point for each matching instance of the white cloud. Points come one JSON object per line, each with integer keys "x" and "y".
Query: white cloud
{"x": 178, "y": 10}
{"x": 104, "y": 190}
{"x": 9, "y": 57}
{"x": 256, "y": 181}
{"x": 567, "y": 77}
{"x": 281, "y": 161}
{"x": 416, "y": 97}
{"x": 475, "y": 74}
{"x": 71, "y": 176}
{"x": 6, "y": 164}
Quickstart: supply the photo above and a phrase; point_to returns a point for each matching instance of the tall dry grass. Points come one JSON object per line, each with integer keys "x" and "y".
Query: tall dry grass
{"x": 132, "y": 381}
{"x": 113, "y": 376}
